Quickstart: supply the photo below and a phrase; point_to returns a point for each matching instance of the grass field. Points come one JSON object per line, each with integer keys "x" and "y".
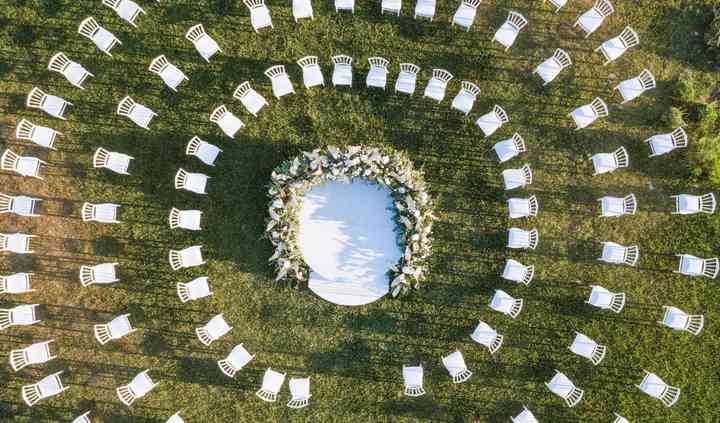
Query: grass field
{"x": 354, "y": 355}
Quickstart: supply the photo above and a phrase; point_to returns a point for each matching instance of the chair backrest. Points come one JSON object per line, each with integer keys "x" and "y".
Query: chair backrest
{"x": 24, "y": 130}
{"x": 308, "y": 61}
{"x": 679, "y": 138}
{"x": 409, "y": 68}
{"x": 599, "y": 106}
{"x": 100, "y": 158}
{"x": 604, "y": 8}
{"x": 58, "y": 62}
{"x": 193, "y": 146}
{"x": 126, "y": 106}
{"x": 470, "y": 88}
{"x": 519, "y": 143}
{"x": 218, "y": 113}
{"x": 527, "y": 172}
{"x": 707, "y": 203}
{"x": 562, "y": 57}
{"x": 630, "y": 204}
{"x": 533, "y": 205}
{"x": 242, "y": 90}
{"x": 36, "y": 97}
{"x": 378, "y": 62}
{"x": 629, "y": 37}
{"x": 517, "y": 20}
{"x": 621, "y": 157}
{"x": 180, "y": 178}
{"x": 195, "y": 33}
{"x": 342, "y": 59}
{"x": 253, "y": 4}
{"x": 442, "y": 75}
{"x": 113, "y": 4}
{"x": 647, "y": 80}
{"x": 88, "y": 27}
{"x": 9, "y": 160}
{"x": 501, "y": 114}
{"x": 158, "y": 64}
{"x": 473, "y": 4}
{"x": 275, "y": 71}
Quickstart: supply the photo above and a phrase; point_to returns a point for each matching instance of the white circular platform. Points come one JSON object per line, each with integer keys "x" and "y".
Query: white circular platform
{"x": 347, "y": 237}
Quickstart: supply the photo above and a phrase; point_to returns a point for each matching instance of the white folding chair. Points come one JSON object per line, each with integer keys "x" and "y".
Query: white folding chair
{"x": 47, "y": 387}
{"x": 632, "y": 88}
{"x": 523, "y": 207}
{"x": 516, "y": 178}
{"x": 487, "y": 336}
{"x": 436, "y": 86}
{"x": 22, "y": 315}
{"x": 620, "y": 254}
{"x": 40, "y": 135}
{"x": 17, "y": 283}
{"x": 302, "y": 9}
{"x": 585, "y": 115}
{"x": 101, "y": 37}
{"x": 610, "y": 162}
{"x": 104, "y": 273}
{"x": 259, "y": 14}
{"x": 591, "y": 20}
{"x": 657, "y": 388}
{"x": 102, "y": 213}
{"x": 696, "y": 266}
{"x": 509, "y": 148}
{"x": 74, "y": 72}
{"x": 561, "y": 386}
{"x": 185, "y": 219}
{"x": 193, "y": 290}
{"x": 525, "y": 416}
{"x": 465, "y": 98}
{"x": 464, "y": 16}
{"x": 204, "y": 44}
{"x": 515, "y": 271}
{"x": 664, "y": 143}
{"x": 492, "y": 121}
{"x": 299, "y": 392}
{"x": 140, "y": 115}
{"x": 188, "y": 257}
{"x": 250, "y": 98}
{"x": 392, "y": 6}
{"x": 377, "y": 75}
{"x": 213, "y": 330}
{"x": 413, "y": 381}
{"x": 407, "y": 78}
{"x": 617, "y": 46}
{"x": 551, "y": 68}
{"x": 204, "y": 151}
{"x": 50, "y": 104}
{"x": 193, "y": 182}
{"x": 502, "y": 302}
{"x": 19, "y": 205}
{"x": 226, "y": 120}
{"x": 128, "y": 10}
{"x": 342, "y": 70}
{"x": 618, "y": 206}
{"x": 425, "y": 9}
{"x": 271, "y": 384}
{"x": 692, "y": 204}
{"x": 620, "y": 419}
{"x": 557, "y": 3}
{"x": 508, "y": 31}
{"x": 138, "y": 387}
{"x": 312, "y": 74}
{"x": 280, "y": 80}
{"x": 175, "y": 418}
{"x": 522, "y": 239}
{"x": 345, "y": 5}
{"x": 114, "y": 329}
{"x": 238, "y": 358}
{"x": 171, "y": 75}
{"x": 456, "y": 367}
{"x": 677, "y": 319}
{"x": 606, "y": 300}
{"x": 116, "y": 162}
{"x": 585, "y": 347}
{"x": 37, "y": 353}
{"x": 22, "y": 165}
{"x": 16, "y": 243}
{"x": 83, "y": 418}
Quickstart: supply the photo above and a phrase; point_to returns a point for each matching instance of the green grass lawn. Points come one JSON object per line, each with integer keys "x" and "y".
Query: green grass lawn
{"x": 354, "y": 356}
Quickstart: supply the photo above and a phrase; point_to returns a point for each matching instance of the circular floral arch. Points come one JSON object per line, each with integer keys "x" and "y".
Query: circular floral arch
{"x": 384, "y": 166}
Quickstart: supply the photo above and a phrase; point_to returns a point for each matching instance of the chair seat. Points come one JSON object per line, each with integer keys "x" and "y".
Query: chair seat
{"x": 23, "y": 205}
{"x": 583, "y": 346}
{"x": 141, "y": 115}
{"x": 103, "y": 39}
{"x": 260, "y": 17}
{"x": 514, "y": 271}
{"x": 613, "y": 206}
{"x": 613, "y": 48}
{"x": 128, "y": 10}
{"x": 172, "y": 76}
{"x": 688, "y": 203}
{"x": 394, "y": 5}
{"x": 208, "y": 153}
{"x": 604, "y": 163}
{"x": 119, "y": 326}
{"x": 105, "y": 212}
{"x": 36, "y": 353}
{"x": 653, "y": 386}
{"x": 54, "y": 106}
{"x": 484, "y": 335}
{"x": 196, "y": 183}
{"x": 253, "y": 102}
{"x": 630, "y": 89}
{"x": 464, "y": 16}
{"x": 601, "y": 297}
{"x": 591, "y": 20}
{"x": 239, "y": 357}
{"x": 282, "y": 86}
{"x": 676, "y": 319}
{"x": 425, "y": 8}
{"x": 584, "y": 116}
{"x": 413, "y": 376}
{"x": 513, "y": 178}
{"x": 272, "y": 381}
{"x": 405, "y": 84}
{"x": 75, "y": 73}
{"x": 502, "y": 302}
{"x": 376, "y": 78}
{"x": 463, "y": 102}
{"x": 489, "y": 123}
{"x": 518, "y": 207}
{"x": 119, "y": 162}
{"x": 230, "y": 124}
{"x": 43, "y": 136}
{"x": 549, "y": 69}
{"x": 613, "y": 253}
{"x": 302, "y": 9}
{"x": 28, "y": 166}
{"x": 104, "y": 273}
{"x": 342, "y": 75}
{"x": 141, "y": 385}
{"x": 661, "y": 144}
{"x": 561, "y": 386}
{"x": 344, "y": 4}
{"x": 692, "y": 265}
{"x": 217, "y": 327}
{"x": 505, "y": 150}
{"x": 206, "y": 46}
{"x": 506, "y": 34}
{"x": 313, "y": 77}
{"x": 435, "y": 90}
{"x": 49, "y": 386}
